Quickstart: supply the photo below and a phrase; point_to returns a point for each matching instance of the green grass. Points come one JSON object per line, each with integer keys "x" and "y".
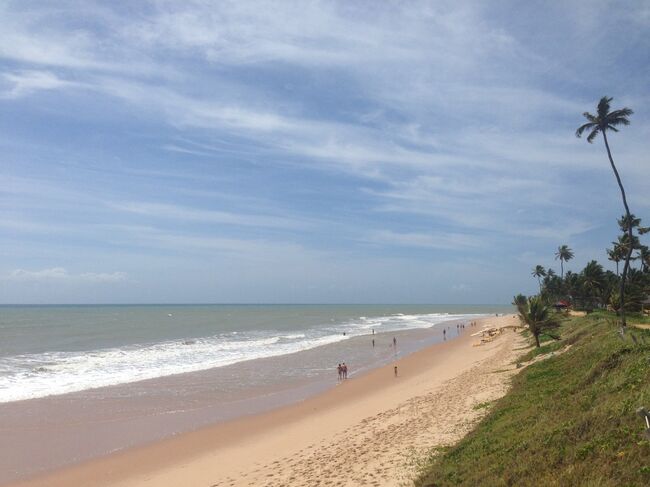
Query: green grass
{"x": 482, "y": 405}
{"x": 568, "y": 420}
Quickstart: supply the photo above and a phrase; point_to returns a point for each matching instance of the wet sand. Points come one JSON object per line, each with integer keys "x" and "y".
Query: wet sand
{"x": 365, "y": 431}
{"x": 45, "y": 434}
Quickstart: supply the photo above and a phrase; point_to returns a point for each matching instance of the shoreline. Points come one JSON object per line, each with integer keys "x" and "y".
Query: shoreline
{"x": 267, "y": 447}
{"x": 47, "y": 434}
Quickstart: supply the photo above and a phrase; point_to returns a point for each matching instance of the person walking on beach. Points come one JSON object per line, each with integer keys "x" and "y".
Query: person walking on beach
{"x": 444, "y": 333}
{"x": 340, "y": 369}
{"x": 373, "y": 343}
{"x": 344, "y": 369}
{"x": 394, "y": 342}
{"x": 395, "y": 369}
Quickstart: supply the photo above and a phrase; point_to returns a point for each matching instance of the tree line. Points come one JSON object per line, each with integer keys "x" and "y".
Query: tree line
{"x": 594, "y": 287}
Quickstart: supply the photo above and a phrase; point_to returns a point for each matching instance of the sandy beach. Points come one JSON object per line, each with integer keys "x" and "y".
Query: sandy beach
{"x": 367, "y": 431}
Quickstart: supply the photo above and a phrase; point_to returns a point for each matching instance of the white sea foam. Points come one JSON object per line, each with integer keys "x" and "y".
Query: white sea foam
{"x": 38, "y": 375}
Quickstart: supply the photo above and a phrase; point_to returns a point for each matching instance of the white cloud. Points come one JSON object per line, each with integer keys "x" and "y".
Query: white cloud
{"x": 454, "y": 118}
{"x": 439, "y": 240}
{"x": 55, "y": 274}
{"x": 23, "y": 83}
{"x": 177, "y": 212}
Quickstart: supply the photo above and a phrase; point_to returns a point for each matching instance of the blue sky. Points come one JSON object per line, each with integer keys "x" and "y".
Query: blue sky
{"x": 311, "y": 151}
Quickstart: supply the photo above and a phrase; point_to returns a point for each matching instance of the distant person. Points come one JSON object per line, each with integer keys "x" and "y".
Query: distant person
{"x": 373, "y": 331}
{"x": 340, "y": 369}
{"x": 395, "y": 369}
{"x": 343, "y": 333}
{"x": 444, "y": 333}
{"x": 344, "y": 369}
{"x": 373, "y": 343}
{"x": 394, "y": 342}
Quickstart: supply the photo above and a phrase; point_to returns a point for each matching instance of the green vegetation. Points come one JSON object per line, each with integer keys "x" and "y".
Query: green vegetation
{"x": 596, "y": 288}
{"x": 604, "y": 121}
{"x": 539, "y": 272}
{"x": 568, "y": 420}
{"x": 570, "y": 417}
{"x": 565, "y": 254}
{"x": 537, "y": 316}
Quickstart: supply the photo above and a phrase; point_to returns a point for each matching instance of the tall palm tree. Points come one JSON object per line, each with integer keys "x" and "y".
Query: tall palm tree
{"x": 564, "y": 253}
{"x": 537, "y": 316}
{"x": 539, "y": 272}
{"x": 601, "y": 123}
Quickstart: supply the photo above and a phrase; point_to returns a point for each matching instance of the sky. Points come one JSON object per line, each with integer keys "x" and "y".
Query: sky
{"x": 311, "y": 151}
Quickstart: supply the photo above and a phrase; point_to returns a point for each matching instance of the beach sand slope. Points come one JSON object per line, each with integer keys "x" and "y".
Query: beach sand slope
{"x": 370, "y": 430}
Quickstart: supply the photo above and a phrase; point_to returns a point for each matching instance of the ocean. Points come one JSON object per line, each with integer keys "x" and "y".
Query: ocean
{"x": 80, "y": 382}
{"x": 49, "y": 350}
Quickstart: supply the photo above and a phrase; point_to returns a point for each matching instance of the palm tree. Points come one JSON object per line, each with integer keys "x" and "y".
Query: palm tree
{"x": 644, "y": 257}
{"x": 571, "y": 284}
{"x": 613, "y": 256}
{"x": 564, "y": 253}
{"x": 634, "y": 222}
{"x": 616, "y": 254}
{"x": 593, "y": 280}
{"x": 537, "y": 316}
{"x": 626, "y": 220}
{"x": 539, "y": 272}
{"x": 601, "y": 123}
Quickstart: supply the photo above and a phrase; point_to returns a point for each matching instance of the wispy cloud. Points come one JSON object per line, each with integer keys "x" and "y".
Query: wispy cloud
{"x": 55, "y": 274}
{"x": 259, "y": 130}
{"x": 22, "y": 83}
{"x": 441, "y": 240}
{"x": 176, "y": 212}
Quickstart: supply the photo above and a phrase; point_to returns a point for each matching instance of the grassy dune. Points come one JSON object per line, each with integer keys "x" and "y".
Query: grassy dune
{"x": 568, "y": 420}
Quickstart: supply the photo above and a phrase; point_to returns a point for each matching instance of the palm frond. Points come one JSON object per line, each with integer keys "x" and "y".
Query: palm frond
{"x": 590, "y": 117}
{"x": 593, "y": 134}
{"x": 612, "y": 128}
{"x": 617, "y": 121}
{"x": 603, "y": 107}
{"x": 586, "y": 126}
{"x": 623, "y": 112}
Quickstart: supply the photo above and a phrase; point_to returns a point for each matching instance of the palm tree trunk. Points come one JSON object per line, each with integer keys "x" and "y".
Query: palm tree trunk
{"x": 617, "y": 268}
{"x": 629, "y": 232}
{"x": 537, "y": 340}
{"x": 562, "y": 268}
{"x": 540, "y": 285}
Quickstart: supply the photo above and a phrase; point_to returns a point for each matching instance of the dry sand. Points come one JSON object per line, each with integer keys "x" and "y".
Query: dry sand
{"x": 367, "y": 431}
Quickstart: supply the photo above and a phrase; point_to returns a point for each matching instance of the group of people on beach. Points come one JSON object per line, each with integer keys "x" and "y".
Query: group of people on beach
{"x": 343, "y": 371}
{"x": 343, "y": 368}
{"x": 459, "y": 326}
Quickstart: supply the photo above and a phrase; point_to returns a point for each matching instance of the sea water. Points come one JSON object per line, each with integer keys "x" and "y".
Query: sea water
{"x": 51, "y": 350}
